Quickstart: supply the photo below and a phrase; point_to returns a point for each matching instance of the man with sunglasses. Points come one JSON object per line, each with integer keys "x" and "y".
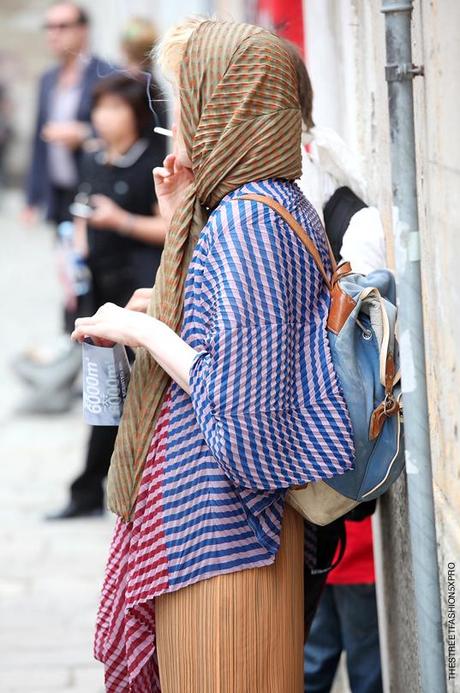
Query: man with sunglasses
{"x": 63, "y": 114}
{"x": 62, "y": 126}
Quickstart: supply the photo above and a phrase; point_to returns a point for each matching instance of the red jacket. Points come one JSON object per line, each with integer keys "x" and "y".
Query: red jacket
{"x": 357, "y": 564}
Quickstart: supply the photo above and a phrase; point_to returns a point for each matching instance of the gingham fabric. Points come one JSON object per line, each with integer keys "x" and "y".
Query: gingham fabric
{"x": 265, "y": 413}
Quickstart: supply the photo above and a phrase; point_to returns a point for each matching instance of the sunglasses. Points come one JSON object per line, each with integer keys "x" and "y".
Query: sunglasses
{"x": 62, "y": 26}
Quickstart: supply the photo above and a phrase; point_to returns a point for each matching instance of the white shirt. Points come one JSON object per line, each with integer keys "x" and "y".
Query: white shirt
{"x": 328, "y": 166}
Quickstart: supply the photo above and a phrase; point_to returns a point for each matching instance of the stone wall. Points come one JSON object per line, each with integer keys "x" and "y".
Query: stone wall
{"x": 437, "y": 108}
{"x": 349, "y": 36}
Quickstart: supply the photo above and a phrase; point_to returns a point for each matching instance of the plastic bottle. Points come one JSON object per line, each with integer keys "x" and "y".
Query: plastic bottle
{"x": 78, "y": 275}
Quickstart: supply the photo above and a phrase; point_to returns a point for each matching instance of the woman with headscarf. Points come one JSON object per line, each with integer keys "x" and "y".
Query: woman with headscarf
{"x": 233, "y": 397}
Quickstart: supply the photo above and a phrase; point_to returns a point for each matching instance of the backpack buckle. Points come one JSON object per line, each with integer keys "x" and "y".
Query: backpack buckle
{"x": 388, "y": 404}
{"x": 389, "y": 407}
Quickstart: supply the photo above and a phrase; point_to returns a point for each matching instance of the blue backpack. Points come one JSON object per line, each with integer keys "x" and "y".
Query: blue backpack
{"x": 361, "y": 331}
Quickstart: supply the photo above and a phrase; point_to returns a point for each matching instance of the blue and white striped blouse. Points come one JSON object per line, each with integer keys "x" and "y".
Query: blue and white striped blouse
{"x": 265, "y": 413}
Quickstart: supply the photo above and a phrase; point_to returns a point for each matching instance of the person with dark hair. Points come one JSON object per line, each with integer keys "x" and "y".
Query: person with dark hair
{"x": 340, "y": 607}
{"x": 332, "y": 181}
{"x": 120, "y": 233}
{"x": 61, "y": 129}
{"x": 123, "y": 231}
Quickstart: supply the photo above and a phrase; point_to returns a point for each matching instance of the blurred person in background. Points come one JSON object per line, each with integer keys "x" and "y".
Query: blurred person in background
{"x": 138, "y": 37}
{"x": 119, "y": 233}
{"x": 62, "y": 126}
{"x": 63, "y": 113}
{"x": 341, "y": 606}
{"x": 332, "y": 181}
{"x": 346, "y": 620}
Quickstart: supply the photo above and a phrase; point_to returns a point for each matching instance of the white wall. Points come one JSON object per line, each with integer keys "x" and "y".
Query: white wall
{"x": 329, "y": 30}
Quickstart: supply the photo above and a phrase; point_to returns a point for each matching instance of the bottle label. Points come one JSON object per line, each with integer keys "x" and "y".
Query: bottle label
{"x": 106, "y": 374}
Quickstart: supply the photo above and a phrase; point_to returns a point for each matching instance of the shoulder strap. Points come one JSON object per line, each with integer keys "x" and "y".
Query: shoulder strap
{"x": 338, "y": 524}
{"x": 298, "y": 230}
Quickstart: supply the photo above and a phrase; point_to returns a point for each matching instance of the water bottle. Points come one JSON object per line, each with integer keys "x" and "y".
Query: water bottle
{"x": 78, "y": 275}
{"x": 81, "y": 275}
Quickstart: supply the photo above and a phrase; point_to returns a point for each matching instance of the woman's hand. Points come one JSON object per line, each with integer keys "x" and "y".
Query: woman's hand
{"x": 171, "y": 180}
{"x": 107, "y": 214}
{"x": 114, "y": 325}
{"x": 140, "y": 300}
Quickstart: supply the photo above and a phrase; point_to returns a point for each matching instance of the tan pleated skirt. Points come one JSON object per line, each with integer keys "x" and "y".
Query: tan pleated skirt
{"x": 237, "y": 633}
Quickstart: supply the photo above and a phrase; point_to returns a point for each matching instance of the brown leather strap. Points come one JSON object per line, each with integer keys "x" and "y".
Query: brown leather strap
{"x": 298, "y": 230}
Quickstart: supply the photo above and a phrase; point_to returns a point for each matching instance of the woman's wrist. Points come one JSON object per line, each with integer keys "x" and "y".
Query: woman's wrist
{"x": 173, "y": 354}
{"x": 149, "y": 332}
{"x": 165, "y": 212}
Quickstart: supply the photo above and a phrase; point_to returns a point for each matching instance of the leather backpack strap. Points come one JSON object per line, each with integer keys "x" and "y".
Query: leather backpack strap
{"x": 298, "y": 230}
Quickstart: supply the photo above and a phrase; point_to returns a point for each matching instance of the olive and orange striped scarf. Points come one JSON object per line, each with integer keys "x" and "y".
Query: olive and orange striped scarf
{"x": 241, "y": 122}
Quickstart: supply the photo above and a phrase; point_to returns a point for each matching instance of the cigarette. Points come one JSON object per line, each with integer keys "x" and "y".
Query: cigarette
{"x": 163, "y": 131}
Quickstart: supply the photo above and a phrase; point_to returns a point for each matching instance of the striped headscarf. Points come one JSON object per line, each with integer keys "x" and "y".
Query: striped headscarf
{"x": 240, "y": 121}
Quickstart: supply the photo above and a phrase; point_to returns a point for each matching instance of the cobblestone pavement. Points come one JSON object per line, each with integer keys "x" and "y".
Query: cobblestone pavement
{"x": 50, "y": 573}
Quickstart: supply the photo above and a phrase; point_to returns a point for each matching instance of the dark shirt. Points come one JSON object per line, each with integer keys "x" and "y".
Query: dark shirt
{"x": 115, "y": 259}
{"x": 39, "y": 188}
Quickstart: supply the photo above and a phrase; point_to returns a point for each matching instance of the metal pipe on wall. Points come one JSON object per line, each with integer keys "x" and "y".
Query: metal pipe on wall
{"x": 399, "y": 74}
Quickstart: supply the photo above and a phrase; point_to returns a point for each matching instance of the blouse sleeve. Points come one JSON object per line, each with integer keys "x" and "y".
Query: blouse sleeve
{"x": 246, "y": 385}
